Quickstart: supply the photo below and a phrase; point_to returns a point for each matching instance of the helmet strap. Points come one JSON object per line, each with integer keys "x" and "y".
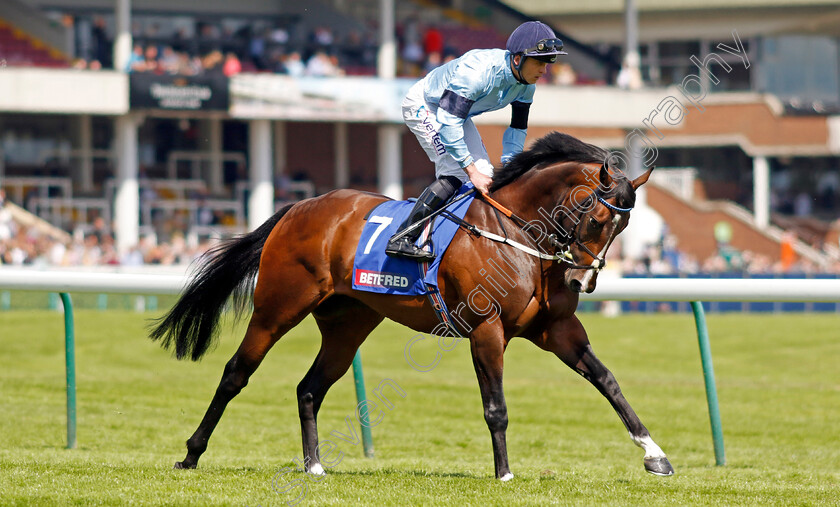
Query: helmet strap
{"x": 518, "y": 73}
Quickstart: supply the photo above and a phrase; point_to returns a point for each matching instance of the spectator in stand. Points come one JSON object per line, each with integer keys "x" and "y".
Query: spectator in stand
{"x": 136, "y": 62}
{"x": 293, "y": 65}
{"x": 353, "y": 49}
{"x": 275, "y": 61}
{"x": 433, "y": 61}
{"x": 182, "y": 43}
{"x": 101, "y": 43}
{"x": 279, "y": 36}
{"x": 787, "y": 254}
{"x": 321, "y": 65}
{"x": 337, "y": 70}
{"x": 213, "y": 62}
{"x": 412, "y": 57}
{"x": 151, "y": 64}
{"x": 803, "y": 204}
{"x": 256, "y": 50}
{"x": 169, "y": 61}
{"x": 433, "y": 41}
{"x": 232, "y": 65}
{"x": 828, "y": 184}
{"x": 188, "y": 66}
{"x": 322, "y": 38}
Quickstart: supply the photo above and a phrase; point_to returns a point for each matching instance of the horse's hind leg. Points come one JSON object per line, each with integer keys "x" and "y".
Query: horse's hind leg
{"x": 344, "y": 323}
{"x": 568, "y": 340}
{"x": 268, "y": 324}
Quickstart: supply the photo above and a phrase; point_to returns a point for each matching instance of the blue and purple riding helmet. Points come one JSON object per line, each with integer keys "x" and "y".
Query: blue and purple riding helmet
{"x": 534, "y": 39}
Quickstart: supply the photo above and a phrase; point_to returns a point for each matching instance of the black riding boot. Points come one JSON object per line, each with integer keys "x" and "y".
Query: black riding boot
{"x": 432, "y": 199}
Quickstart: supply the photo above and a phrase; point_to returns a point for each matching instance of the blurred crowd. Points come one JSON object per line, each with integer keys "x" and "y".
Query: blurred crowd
{"x": 40, "y": 244}
{"x": 217, "y": 50}
{"x": 27, "y": 246}
{"x": 665, "y": 258}
{"x": 319, "y": 53}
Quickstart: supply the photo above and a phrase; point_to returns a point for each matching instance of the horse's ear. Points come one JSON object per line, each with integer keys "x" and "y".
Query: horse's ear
{"x": 604, "y": 177}
{"x": 641, "y": 180}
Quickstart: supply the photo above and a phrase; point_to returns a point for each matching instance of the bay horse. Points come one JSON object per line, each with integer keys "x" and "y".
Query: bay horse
{"x": 304, "y": 255}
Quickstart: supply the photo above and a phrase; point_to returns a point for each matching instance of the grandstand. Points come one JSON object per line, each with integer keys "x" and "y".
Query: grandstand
{"x": 225, "y": 119}
{"x": 20, "y": 49}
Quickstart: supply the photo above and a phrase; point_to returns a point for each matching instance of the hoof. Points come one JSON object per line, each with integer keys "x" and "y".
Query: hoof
{"x": 317, "y": 469}
{"x": 659, "y": 466}
{"x": 181, "y": 465}
{"x": 508, "y": 476}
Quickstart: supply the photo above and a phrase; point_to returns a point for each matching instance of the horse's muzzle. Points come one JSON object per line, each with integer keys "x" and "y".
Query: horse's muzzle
{"x": 581, "y": 281}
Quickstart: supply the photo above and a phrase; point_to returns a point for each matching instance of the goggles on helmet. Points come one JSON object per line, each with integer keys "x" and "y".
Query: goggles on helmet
{"x": 546, "y": 50}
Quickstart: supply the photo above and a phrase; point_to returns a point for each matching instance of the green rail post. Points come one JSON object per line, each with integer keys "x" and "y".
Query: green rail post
{"x": 70, "y": 367}
{"x": 709, "y": 376}
{"x": 364, "y": 421}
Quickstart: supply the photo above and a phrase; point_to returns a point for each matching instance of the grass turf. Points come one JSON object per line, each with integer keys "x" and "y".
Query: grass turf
{"x": 778, "y": 384}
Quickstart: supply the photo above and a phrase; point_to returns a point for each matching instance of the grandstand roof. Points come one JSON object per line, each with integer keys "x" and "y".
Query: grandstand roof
{"x": 554, "y": 7}
{"x": 603, "y": 21}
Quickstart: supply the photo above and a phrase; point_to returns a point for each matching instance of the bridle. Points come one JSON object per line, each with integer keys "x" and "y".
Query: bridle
{"x": 574, "y": 238}
{"x": 563, "y": 248}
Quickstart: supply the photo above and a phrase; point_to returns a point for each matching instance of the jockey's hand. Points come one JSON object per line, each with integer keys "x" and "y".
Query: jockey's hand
{"x": 479, "y": 179}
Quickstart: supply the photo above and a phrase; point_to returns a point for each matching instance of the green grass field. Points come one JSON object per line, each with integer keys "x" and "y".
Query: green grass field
{"x": 778, "y": 382}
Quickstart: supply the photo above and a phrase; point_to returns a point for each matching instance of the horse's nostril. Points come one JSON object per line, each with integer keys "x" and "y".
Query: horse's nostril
{"x": 575, "y": 285}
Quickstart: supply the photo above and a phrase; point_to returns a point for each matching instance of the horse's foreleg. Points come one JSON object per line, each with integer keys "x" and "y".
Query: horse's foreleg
{"x": 568, "y": 340}
{"x": 344, "y": 325}
{"x": 488, "y": 359}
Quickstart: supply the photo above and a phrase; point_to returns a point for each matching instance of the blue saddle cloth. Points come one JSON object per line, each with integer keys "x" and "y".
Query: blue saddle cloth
{"x": 373, "y": 271}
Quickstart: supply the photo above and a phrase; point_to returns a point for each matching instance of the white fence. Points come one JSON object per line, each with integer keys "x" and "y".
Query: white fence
{"x": 622, "y": 289}
{"x": 626, "y": 289}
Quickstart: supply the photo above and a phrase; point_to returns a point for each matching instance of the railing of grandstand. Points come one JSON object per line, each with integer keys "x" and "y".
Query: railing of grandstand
{"x": 66, "y": 211}
{"x": 679, "y": 180}
{"x": 295, "y": 190}
{"x": 17, "y": 187}
{"x": 199, "y": 165}
{"x": 84, "y": 159}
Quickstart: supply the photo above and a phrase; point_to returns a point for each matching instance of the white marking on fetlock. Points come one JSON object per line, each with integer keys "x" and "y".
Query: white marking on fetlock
{"x": 508, "y": 476}
{"x": 317, "y": 469}
{"x": 651, "y": 449}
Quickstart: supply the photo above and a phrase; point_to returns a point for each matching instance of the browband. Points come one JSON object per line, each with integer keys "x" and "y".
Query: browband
{"x": 613, "y": 207}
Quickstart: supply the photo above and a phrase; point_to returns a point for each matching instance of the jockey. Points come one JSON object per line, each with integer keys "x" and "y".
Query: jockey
{"x": 439, "y": 108}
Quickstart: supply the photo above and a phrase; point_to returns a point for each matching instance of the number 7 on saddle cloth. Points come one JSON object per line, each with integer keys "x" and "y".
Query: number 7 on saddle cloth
{"x": 373, "y": 271}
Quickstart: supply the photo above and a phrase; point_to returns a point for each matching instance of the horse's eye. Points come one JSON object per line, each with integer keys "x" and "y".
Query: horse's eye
{"x": 593, "y": 223}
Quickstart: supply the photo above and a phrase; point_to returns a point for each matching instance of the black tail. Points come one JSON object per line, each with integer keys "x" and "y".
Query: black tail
{"x": 229, "y": 269}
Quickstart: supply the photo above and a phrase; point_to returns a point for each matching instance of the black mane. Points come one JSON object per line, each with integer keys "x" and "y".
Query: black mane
{"x": 554, "y": 147}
